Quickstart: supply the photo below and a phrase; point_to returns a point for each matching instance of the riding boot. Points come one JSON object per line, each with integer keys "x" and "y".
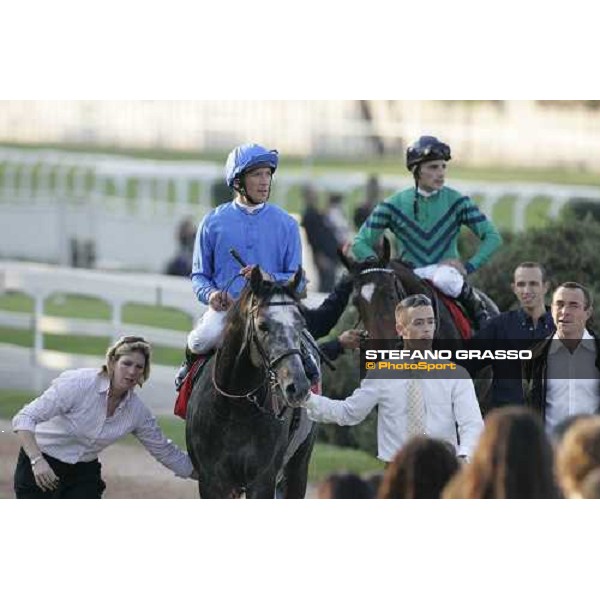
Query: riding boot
{"x": 474, "y": 305}
{"x": 185, "y": 367}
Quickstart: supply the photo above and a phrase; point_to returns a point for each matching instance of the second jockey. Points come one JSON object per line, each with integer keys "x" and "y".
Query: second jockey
{"x": 426, "y": 221}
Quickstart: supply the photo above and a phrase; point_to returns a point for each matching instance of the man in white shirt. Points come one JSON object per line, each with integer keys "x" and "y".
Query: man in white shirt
{"x": 563, "y": 377}
{"x": 445, "y": 403}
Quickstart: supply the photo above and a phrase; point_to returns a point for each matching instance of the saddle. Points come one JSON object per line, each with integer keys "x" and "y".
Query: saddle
{"x": 185, "y": 391}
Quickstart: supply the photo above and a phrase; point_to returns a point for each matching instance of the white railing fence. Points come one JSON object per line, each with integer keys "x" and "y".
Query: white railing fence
{"x": 128, "y": 210}
{"x": 40, "y": 282}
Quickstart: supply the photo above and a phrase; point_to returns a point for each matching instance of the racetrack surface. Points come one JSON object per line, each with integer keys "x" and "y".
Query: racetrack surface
{"x": 127, "y": 469}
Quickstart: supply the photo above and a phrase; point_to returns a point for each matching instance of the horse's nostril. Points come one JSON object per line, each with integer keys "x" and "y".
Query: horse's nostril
{"x": 290, "y": 389}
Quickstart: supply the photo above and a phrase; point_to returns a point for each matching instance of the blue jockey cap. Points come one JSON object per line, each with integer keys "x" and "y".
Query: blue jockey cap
{"x": 246, "y": 156}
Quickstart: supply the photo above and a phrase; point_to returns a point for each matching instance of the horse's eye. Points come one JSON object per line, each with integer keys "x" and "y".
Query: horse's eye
{"x": 264, "y": 326}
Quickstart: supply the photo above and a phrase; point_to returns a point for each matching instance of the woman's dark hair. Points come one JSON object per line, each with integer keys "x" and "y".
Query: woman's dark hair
{"x": 345, "y": 486}
{"x": 513, "y": 459}
{"x": 421, "y": 469}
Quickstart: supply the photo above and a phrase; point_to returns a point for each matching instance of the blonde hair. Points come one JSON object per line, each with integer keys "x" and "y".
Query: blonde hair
{"x": 590, "y": 486}
{"x": 127, "y": 345}
{"x": 578, "y": 454}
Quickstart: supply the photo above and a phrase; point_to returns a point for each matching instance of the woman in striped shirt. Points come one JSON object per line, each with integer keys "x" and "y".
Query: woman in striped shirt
{"x": 81, "y": 413}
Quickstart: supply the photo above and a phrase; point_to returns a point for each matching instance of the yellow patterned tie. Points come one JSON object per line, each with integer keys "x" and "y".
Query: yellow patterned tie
{"x": 415, "y": 407}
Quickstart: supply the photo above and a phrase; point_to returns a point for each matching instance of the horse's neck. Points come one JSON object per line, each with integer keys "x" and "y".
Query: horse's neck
{"x": 235, "y": 369}
{"x": 411, "y": 283}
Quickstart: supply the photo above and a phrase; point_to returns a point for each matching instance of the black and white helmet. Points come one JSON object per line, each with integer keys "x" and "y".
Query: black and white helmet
{"x": 425, "y": 149}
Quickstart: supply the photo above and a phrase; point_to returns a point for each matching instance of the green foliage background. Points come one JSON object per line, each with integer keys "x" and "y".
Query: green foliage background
{"x": 568, "y": 249}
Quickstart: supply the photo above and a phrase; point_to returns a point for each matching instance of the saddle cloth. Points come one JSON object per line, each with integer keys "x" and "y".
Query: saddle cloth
{"x": 460, "y": 320}
{"x": 183, "y": 396}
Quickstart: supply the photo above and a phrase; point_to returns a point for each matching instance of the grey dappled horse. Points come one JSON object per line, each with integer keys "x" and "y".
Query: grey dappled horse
{"x": 245, "y": 429}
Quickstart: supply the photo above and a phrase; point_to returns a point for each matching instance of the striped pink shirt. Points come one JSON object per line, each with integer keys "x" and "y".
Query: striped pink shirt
{"x": 70, "y": 423}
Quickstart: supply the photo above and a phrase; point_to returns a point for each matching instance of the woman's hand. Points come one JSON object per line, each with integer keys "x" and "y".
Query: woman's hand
{"x": 45, "y": 477}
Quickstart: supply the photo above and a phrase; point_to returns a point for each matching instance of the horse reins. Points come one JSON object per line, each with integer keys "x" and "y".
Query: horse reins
{"x": 434, "y": 298}
{"x": 268, "y": 366}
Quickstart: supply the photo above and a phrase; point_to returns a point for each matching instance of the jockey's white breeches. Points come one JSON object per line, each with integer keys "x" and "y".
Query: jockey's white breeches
{"x": 208, "y": 332}
{"x": 445, "y": 278}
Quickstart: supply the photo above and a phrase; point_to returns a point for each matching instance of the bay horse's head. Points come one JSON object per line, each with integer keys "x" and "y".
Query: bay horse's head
{"x": 377, "y": 291}
{"x": 270, "y": 323}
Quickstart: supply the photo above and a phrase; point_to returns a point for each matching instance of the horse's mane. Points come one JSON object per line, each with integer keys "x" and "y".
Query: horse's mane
{"x": 411, "y": 282}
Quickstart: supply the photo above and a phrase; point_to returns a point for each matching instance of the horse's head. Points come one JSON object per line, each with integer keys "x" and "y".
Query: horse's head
{"x": 274, "y": 328}
{"x": 377, "y": 291}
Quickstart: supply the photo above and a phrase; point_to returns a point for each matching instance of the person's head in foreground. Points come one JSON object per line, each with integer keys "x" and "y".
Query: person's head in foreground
{"x": 421, "y": 469}
{"x": 578, "y": 455}
{"x": 346, "y": 486}
{"x": 513, "y": 459}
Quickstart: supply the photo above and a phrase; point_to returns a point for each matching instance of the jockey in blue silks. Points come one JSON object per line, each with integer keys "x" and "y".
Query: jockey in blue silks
{"x": 262, "y": 233}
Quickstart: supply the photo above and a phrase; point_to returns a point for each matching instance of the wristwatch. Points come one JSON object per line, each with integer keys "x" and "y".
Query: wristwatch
{"x": 34, "y": 461}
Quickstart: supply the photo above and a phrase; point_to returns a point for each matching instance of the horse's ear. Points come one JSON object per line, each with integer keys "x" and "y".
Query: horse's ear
{"x": 296, "y": 280}
{"x": 256, "y": 279}
{"x": 346, "y": 259}
{"x": 387, "y": 252}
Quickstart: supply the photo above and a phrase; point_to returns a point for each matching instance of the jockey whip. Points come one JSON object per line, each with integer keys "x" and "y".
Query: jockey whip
{"x": 237, "y": 257}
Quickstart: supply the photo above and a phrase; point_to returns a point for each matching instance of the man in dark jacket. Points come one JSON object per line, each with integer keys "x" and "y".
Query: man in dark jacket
{"x": 321, "y": 238}
{"x": 563, "y": 376}
{"x": 515, "y": 330}
{"x": 321, "y": 320}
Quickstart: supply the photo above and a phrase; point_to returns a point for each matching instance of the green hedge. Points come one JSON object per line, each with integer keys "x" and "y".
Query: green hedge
{"x": 568, "y": 250}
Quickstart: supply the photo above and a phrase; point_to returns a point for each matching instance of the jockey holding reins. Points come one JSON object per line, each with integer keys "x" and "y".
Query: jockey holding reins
{"x": 426, "y": 222}
{"x": 264, "y": 234}
{"x": 261, "y": 234}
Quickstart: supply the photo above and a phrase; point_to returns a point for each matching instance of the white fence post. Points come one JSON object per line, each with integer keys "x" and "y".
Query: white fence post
{"x": 38, "y": 335}
{"x": 117, "y": 319}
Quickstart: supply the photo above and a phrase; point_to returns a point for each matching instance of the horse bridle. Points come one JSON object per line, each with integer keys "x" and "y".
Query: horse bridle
{"x": 400, "y": 289}
{"x": 268, "y": 366}
{"x": 397, "y": 285}
{"x": 383, "y": 270}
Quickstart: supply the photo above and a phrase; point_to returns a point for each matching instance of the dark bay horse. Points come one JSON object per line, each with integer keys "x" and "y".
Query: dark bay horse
{"x": 244, "y": 428}
{"x": 380, "y": 284}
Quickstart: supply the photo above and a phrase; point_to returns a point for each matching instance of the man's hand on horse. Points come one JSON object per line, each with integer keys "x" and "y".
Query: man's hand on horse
{"x": 247, "y": 271}
{"x": 220, "y": 300}
{"x": 350, "y": 339}
{"x": 453, "y": 262}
